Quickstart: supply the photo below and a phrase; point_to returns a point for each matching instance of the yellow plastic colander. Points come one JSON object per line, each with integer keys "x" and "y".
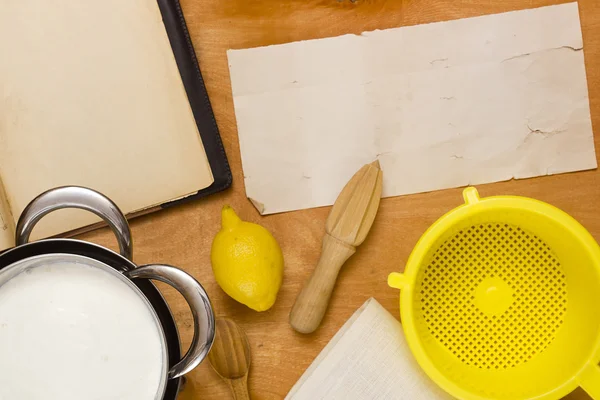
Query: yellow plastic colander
{"x": 500, "y": 299}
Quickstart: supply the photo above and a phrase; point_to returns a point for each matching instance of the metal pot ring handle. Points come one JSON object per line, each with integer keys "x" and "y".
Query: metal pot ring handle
{"x": 190, "y": 288}
{"x": 197, "y": 299}
{"x": 75, "y": 197}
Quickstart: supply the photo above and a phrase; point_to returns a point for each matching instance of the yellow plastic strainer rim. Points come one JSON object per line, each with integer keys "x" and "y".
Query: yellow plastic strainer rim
{"x": 407, "y": 282}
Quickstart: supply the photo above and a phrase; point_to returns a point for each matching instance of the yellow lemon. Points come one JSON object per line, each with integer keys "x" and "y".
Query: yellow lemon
{"x": 247, "y": 261}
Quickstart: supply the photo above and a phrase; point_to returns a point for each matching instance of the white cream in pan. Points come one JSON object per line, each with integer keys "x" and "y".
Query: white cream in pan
{"x": 71, "y": 331}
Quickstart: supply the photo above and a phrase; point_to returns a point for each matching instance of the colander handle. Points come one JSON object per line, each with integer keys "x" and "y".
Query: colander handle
{"x": 590, "y": 381}
{"x": 470, "y": 195}
{"x": 398, "y": 280}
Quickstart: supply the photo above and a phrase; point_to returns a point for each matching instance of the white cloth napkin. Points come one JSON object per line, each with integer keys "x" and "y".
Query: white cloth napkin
{"x": 367, "y": 359}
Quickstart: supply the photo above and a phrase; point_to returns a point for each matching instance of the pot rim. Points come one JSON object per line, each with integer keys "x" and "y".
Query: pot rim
{"x": 130, "y": 265}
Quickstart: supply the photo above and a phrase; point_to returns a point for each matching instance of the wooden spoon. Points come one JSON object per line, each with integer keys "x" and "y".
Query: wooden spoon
{"x": 349, "y": 221}
{"x": 230, "y": 357}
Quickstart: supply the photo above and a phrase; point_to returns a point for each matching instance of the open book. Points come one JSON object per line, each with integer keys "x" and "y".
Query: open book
{"x": 94, "y": 94}
{"x": 368, "y": 358}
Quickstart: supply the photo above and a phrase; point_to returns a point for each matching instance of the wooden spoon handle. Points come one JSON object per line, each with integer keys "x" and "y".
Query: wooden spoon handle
{"x": 311, "y": 304}
{"x": 239, "y": 388}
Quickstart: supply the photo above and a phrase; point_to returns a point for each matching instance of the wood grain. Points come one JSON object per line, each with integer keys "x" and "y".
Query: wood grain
{"x": 182, "y": 235}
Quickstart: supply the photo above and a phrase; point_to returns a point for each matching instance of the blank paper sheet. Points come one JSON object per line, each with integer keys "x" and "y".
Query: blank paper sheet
{"x": 440, "y": 105}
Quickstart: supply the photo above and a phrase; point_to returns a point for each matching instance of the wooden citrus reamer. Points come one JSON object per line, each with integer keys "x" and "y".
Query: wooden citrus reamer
{"x": 346, "y": 228}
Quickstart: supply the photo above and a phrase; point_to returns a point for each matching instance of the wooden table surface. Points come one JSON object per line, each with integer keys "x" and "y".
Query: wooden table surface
{"x": 182, "y": 236}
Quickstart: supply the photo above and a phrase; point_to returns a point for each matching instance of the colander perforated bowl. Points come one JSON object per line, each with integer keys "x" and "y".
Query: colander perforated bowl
{"x": 500, "y": 299}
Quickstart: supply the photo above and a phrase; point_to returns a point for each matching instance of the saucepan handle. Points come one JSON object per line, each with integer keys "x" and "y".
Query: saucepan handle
{"x": 75, "y": 197}
{"x": 202, "y": 312}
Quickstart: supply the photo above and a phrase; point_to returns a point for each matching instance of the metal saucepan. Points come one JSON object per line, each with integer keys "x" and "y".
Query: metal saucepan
{"x": 26, "y": 256}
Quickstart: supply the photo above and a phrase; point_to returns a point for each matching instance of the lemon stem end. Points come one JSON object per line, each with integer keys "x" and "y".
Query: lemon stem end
{"x": 229, "y": 218}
